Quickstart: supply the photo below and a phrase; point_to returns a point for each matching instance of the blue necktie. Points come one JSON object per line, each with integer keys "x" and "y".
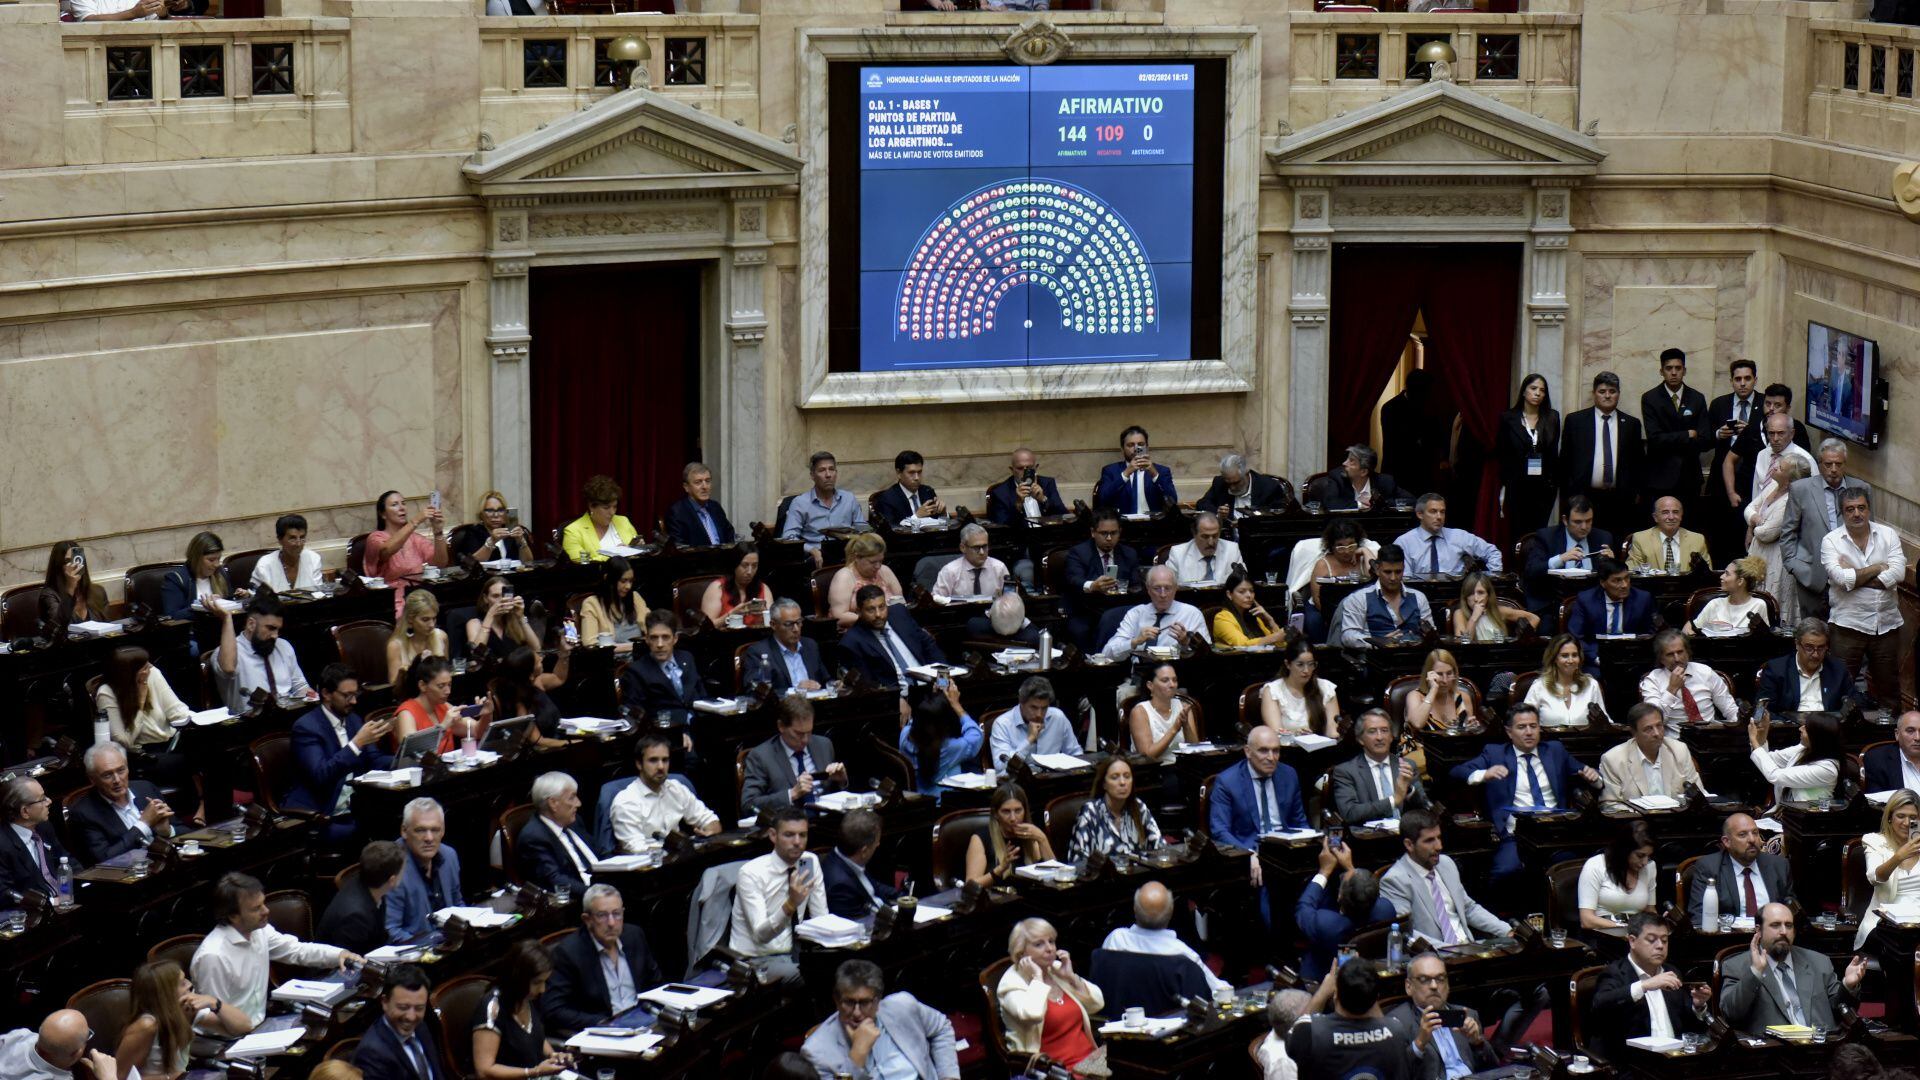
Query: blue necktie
{"x": 418, "y": 1058}
{"x": 1533, "y": 782}
{"x": 1266, "y": 806}
{"x": 706, "y": 522}
{"x": 800, "y": 766}
{"x": 1613, "y": 617}
{"x": 1433, "y": 557}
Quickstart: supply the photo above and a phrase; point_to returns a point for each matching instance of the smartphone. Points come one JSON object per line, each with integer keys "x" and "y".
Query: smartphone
{"x": 1336, "y": 836}
{"x": 433, "y": 498}
{"x": 506, "y": 590}
{"x": 513, "y": 518}
{"x": 78, "y": 554}
{"x": 572, "y": 632}
{"x": 1453, "y": 1016}
{"x": 940, "y": 683}
{"x": 1028, "y": 478}
{"x": 470, "y": 711}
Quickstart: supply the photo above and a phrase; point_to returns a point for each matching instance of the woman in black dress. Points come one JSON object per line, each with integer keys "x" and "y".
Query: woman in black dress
{"x": 1529, "y": 447}
{"x": 509, "y": 1041}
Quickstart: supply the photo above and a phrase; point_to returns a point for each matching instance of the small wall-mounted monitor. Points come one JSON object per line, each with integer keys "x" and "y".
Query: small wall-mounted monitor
{"x": 1846, "y": 394}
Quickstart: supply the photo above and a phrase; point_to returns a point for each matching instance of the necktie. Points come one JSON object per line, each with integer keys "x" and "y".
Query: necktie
{"x": 913, "y": 504}
{"x": 1140, "y": 492}
{"x": 673, "y": 676}
{"x": 40, "y": 855}
{"x": 1753, "y": 899}
{"x": 1676, "y": 401}
{"x": 1833, "y": 508}
{"x": 1799, "y": 1014}
{"x": 706, "y": 522}
{"x": 1533, "y": 782}
{"x": 1445, "y": 924}
{"x": 1742, "y": 404}
{"x": 976, "y": 579}
{"x": 1673, "y": 559}
{"x": 1613, "y": 617}
{"x": 1433, "y": 555}
{"x": 1691, "y": 706}
{"x": 417, "y": 1057}
{"x": 1209, "y": 571}
{"x": 1606, "y": 450}
{"x": 520, "y": 7}
{"x": 1266, "y": 807}
{"x": 800, "y": 766}
{"x": 900, "y": 664}
{"x": 273, "y": 685}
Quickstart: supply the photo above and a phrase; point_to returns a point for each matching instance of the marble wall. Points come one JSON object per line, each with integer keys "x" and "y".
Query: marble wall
{"x": 1635, "y": 306}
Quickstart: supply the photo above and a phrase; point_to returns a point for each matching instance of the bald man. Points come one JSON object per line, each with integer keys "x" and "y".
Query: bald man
{"x": 53, "y": 1051}
{"x": 1151, "y": 932}
{"x": 1666, "y": 548}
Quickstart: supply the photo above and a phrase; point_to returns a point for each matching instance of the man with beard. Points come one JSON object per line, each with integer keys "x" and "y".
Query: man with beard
{"x": 1776, "y": 983}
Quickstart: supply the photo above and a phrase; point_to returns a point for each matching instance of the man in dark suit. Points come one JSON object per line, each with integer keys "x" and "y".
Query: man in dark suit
{"x": 1600, "y": 457}
{"x": 886, "y": 641}
{"x": 698, "y": 519}
{"x": 1786, "y": 680}
{"x": 119, "y": 814}
{"x": 551, "y": 851}
{"x": 356, "y": 920}
{"x": 1572, "y": 544}
{"x": 579, "y": 994}
{"x": 1338, "y": 901}
{"x": 793, "y": 766}
{"x": 331, "y": 744}
{"x": 788, "y": 660}
{"x": 1745, "y": 877}
{"x": 1134, "y": 484}
{"x": 1440, "y": 1051}
{"x": 1356, "y": 481}
{"x": 1729, "y": 416}
{"x": 665, "y": 681}
{"x": 1675, "y": 415}
{"x": 1612, "y": 607}
{"x": 853, "y": 892}
{"x": 909, "y": 497}
{"x": 1100, "y": 565}
{"x": 30, "y": 850}
{"x": 1639, "y": 995}
{"x": 1376, "y": 783}
{"x": 1022, "y": 499}
{"x": 1523, "y": 774}
{"x": 1414, "y": 435}
{"x": 1239, "y": 488}
{"x": 400, "y": 1046}
{"x": 1890, "y": 768}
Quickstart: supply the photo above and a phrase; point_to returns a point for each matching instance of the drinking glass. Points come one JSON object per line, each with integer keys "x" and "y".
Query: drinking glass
{"x": 1558, "y": 936}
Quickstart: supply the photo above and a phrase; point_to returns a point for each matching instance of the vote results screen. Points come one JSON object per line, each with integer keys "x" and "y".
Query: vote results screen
{"x": 1015, "y": 215}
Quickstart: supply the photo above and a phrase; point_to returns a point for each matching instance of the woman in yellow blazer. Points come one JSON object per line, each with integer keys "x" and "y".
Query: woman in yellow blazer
{"x": 599, "y": 527}
{"x": 1243, "y": 621}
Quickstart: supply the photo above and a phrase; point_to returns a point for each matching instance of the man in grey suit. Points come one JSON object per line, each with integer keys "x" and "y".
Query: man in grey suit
{"x": 1813, "y": 511}
{"x": 1776, "y": 983}
{"x": 794, "y": 766}
{"x": 1424, "y": 887}
{"x": 1377, "y": 784}
{"x": 1441, "y": 1051}
{"x": 1745, "y": 877}
{"x": 874, "y": 1035}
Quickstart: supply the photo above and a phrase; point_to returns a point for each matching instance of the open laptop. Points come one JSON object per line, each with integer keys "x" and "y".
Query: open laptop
{"x": 416, "y": 746}
{"x": 502, "y": 733}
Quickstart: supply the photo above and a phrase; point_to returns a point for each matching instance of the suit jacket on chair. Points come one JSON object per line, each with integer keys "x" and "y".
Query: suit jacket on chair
{"x": 1805, "y": 528}
{"x": 1780, "y": 686}
{"x": 1673, "y": 457}
{"x": 645, "y": 684}
{"x": 1617, "y": 1017}
{"x": 1558, "y": 770}
{"x": 1752, "y": 1004}
{"x": 767, "y": 652}
{"x": 19, "y": 872}
{"x": 685, "y": 530}
{"x": 1623, "y": 775}
{"x": 1577, "y": 448}
{"x": 1265, "y": 494}
{"x": 1405, "y": 884}
{"x": 1772, "y": 869}
{"x": 577, "y": 995}
{"x": 542, "y": 861}
{"x": 1117, "y": 491}
{"x": 1354, "y": 795}
{"x": 96, "y": 830}
{"x": 867, "y": 654}
{"x": 1005, "y": 508}
{"x": 769, "y": 775}
{"x": 1406, "y": 1019}
{"x": 325, "y": 763}
{"x": 380, "y": 1055}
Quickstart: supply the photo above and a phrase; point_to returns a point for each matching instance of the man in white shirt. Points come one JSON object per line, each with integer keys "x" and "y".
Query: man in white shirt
{"x": 119, "y": 814}
{"x": 654, "y": 805}
{"x": 1433, "y": 550}
{"x": 261, "y": 660}
{"x": 1385, "y": 609}
{"x": 1151, "y": 935}
{"x": 232, "y": 962}
{"x": 975, "y": 573}
{"x": 1649, "y": 763}
{"x": 1286, "y": 1007}
{"x": 1683, "y": 691}
{"x": 775, "y": 893}
{"x": 1162, "y": 620}
{"x": 1777, "y": 442}
{"x": 1206, "y": 559}
{"x": 1640, "y": 996}
{"x": 53, "y": 1051}
{"x": 1865, "y": 564}
{"x": 1035, "y": 726}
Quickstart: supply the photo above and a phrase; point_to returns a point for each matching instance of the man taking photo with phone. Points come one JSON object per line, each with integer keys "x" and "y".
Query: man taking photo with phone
{"x": 1436, "y": 1028}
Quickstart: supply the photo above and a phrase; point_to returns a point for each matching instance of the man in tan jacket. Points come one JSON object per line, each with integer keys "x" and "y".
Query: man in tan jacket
{"x": 1650, "y": 763}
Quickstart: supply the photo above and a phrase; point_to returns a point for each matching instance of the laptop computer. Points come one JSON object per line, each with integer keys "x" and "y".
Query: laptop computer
{"x": 502, "y": 733}
{"x": 416, "y": 746}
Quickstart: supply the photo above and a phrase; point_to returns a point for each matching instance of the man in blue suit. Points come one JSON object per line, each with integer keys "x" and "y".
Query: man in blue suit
{"x": 1522, "y": 775}
{"x": 1573, "y": 544}
{"x": 1786, "y": 681}
{"x": 1100, "y": 565}
{"x": 1612, "y": 607}
{"x": 551, "y": 851}
{"x": 909, "y": 498}
{"x": 1331, "y": 908}
{"x": 400, "y": 1046}
{"x": 1255, "y": 797}
{"x": 853, "y": 892}
{"x": 1134, "y": 484}
{"x": 429, "y": 876}
{"x": 331, "y": 744}
{"x": 664, "y": 680}
{"x": 1007, "y": 501}
{"x": 789, "y": 660}
{"x": 886, "y": 641}
{"x": 698, "y": 520}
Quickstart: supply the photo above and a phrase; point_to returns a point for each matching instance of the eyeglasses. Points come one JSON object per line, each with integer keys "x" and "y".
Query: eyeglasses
{"x": 613, "y": 916}
{"x": 973, "y": 547}
{"x": 859, "y": 1003}
{"x": 786, "y": 622}
{"x": 1429, "y": 980}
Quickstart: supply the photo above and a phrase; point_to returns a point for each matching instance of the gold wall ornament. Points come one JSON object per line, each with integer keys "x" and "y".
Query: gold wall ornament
{"x": 630, "y": 51}
{"x": 1037, "y": 42}
{"x": 1906, "y": 188}
{"x": 1439, "y": 58}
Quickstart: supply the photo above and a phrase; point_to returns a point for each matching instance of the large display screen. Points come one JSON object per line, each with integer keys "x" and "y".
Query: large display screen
{"x": 1842, "y": 372}
{"x": 1015, "y": 215}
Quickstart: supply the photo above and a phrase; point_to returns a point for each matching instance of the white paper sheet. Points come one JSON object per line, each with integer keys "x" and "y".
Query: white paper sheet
{"x": 1154, "y": 1025}
{"x": 93, "y": 626}
{"x": 587, "y": 1042}
{"x": 926, "y": 913}
{"x": 1059, "y": 761}
{"x": 263, "y": 1043}
{"x": 475, "y": 916}
{"x": 845, "y": 801}
{"x": 620, "y": 862}
{"x": 311, "y": 990}
{"x": 699, "y": 997}
{"x": 1310, "y": 742}
{"x": 968, "y": 781}
{"x": 392, "y": 777}
{"x": 1657, "y": 1045}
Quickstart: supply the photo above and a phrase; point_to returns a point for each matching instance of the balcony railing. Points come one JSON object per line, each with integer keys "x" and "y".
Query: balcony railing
{"x": 1863, "y": 85}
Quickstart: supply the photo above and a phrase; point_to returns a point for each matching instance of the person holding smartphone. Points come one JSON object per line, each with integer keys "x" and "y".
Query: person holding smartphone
{"x": 501, "y": 623}
{"x": 1435, "y": 1027}
{"x": 396, "y": 552}
{"x": 495, "y": 534}
{"x": 1134, "y": 484}
{"x": 68, "y": 595}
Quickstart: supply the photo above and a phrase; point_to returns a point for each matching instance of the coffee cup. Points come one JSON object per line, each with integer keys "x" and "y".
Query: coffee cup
{"x": 1135, "y": 1017}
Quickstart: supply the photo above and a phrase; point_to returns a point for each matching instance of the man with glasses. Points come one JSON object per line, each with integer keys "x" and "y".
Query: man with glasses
{"x": 792, "y": 768}
{"x": 1023, "y": 499}
{"x": 332, "y": 744}
{"x": 975, "y": 573}
{"x": 1206, "y": 559}
{"x": 119, "y": 814}
{"x": 600, "y": 970}
{"x": 30, "y": 850}
{"x": 53, "y": 1051}
{"x": 878, "y": 1035}
{"x": 1812, "y": 679}
{"x": 1424, "y": 1020}
{"x": 789, "y": 660}
{"x": 1161, "y": 621}
{"x": 1100, "y": 565}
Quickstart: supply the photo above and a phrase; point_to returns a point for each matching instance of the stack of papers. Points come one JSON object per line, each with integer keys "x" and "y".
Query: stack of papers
{"x": 262, "y": 1043}
{"x": 831, "y": 931}
{"x": 614, "y": 1042}
{"x": 206, "y": 717}
{"x": 617, "y": 863}
{"x": 945, "y": 601}
{"x": 1015, "y": 657}
{"x": 218, "y": 604}
{"x": 1385, "y": 824}
{"x": 1905, "y": 912}
{"x": 1879, "y": 798}
{"x": 621, "y": 550}
{"x": 845, "y": 801}
{"x": 1040, "y": 871}
{"x": 1154, "y": 1026}
{"x": 1195, "y": 748}
{"x": 501, "y": 565}
{"x": 822, "y": 694}
{"x": 968, "y": 781}
{"x": 927, "y": 673}
{"x": 387, "y": 954}
{"x": 1650, "y": 803}
{"x": 721, "y": 706}
{"x": 685, "y": 996}
{"x": 476, "y": 916}
{"x": 593, "y": 725}
{"x": 93, "y": 627}
{"x": 312, "y": 992}
{"x": 1768, "y": 824}
{"x": 458, "y": 760}
{"x": 398, "y": 778}
{"x": 1657, "y": 1045}
{"x": 1571, "y": 572}
{"x": 1293, "y": 834}
{"x": 1310, "y": 742}
{"x": 1063, "y": 762}
{"x": 1790, "y": 1032}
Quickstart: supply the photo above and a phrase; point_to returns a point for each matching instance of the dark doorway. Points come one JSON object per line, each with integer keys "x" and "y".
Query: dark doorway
{"x": 1437, "y": 434}
{"x": 615, "y": 373}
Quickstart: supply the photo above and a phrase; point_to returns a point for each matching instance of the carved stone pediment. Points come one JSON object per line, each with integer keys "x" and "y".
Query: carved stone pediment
{"x": 635, "y": 141}
{"x": 1439, "y": 131}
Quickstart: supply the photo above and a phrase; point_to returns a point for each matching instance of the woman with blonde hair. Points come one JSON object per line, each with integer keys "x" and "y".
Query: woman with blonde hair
{"x": 1728, "y": 614}
{"x": 1766, "y": 520}
{"x": 1893, "y": 860}
{"x": 1012, "y": 839}
{"x": 1438, "y": 700}
{"x": 336, "y": 1070}
{"x": 866, "y": 565}
{"x": 1045, "y": 1004}
{"x": 163, "y": 1004}
{"x": 495, "y": 537}
{"x": 1478, "y": 615}
{"x": 415, "y": 635}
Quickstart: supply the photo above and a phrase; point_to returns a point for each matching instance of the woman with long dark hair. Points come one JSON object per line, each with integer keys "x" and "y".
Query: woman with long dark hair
{"x": 940, "y": 740}
{"x": 1241, "y": 621}
{"x": 1113, "y": 819}
{"x": 1618, "y": 882}
{"x": 1527, "y": 443}
{"x": 740, "y": 591}
{"x": 396, "y": 552}
{"x": 1816, "y": 769}
{"x": 614, "y": 609}
{"x": 1299, "y": 701}
{"x": 141, "y": 710}
{"x": 509, "y": 1040}
{"x": 519, "y": 688}
{"x": 1012, "y": 839}
{"x": 69, "y": 594}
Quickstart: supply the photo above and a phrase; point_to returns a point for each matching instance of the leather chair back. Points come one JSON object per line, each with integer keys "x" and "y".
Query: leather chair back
{"x": 548, "y": 941}
{"x": 291, "y": 912}
{"x": 1249, "y": 708}
{"x": 357, "y": 554}
{"x": 362, "y": 645}
{"x": 456, "y": 1002}
{"x": 463, "y": 533}
{"x": 1053, "y": 571}
{"x": 821, "y": 581}
{"x": 179, "y": 949}
{"x": 145, "y": 583}
{"x": 20, "y": 611}
{"x": 342, "y": 1050}
{"x": 688, "y": 592}
{"x": 1856, "y": 892}
{"x": 350, "y": 872}
{"x": 239, "y": 565}
{"x": 507, "y": 832}
{"x": 950, "y": 837}
{"x": 273, "y": 767}
{"x": 108, "y": 1007}
{"x": 1061, "y": 814}
{"x": 1580, "y": 997}
{"x": 1563, "y": 893}
{"x": 996, "y": 1028}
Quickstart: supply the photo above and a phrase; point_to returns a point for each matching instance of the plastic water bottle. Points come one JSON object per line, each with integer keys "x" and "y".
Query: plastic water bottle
{"x": 1046, "y": 651}
{"x": 1710, "y": 908}
{"x": 101, "y": 731}
{"x": 1396, "y": 947}
{"x": 63, "y": 878}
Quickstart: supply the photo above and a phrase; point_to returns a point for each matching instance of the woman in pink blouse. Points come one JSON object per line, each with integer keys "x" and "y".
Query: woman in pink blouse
{"x": 396, "y": 551}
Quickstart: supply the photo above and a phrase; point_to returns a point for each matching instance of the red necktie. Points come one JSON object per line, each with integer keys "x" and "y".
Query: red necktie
{"x": 1753, "y": 901}
{"x": 1692, "y": 706}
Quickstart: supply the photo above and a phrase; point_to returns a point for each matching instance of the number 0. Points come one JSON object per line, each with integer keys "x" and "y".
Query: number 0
{"x": 1146, "y": 133}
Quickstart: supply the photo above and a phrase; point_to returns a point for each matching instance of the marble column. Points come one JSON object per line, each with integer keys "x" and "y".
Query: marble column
{"x": 507, "y": 342}
{"x": 1307, "y": 309}
{"x": 745, "y": 467}
{"x": 1544, "y": 349}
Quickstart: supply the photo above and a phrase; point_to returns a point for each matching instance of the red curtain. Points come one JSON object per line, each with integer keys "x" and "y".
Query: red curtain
{"x": 1376, "y": 292}
{"x": 1470, "y": 303}
{"x": 615, "y": 367}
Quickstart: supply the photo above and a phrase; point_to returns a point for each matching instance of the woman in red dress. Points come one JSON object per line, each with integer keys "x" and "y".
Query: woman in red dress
{"x": 1044, "y": 1003}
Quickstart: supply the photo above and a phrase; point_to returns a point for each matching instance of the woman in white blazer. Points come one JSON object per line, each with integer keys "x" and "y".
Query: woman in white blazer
{"x": 1893, "y": 860}
{"x": 1041, "y": 980}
